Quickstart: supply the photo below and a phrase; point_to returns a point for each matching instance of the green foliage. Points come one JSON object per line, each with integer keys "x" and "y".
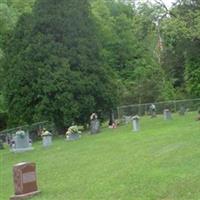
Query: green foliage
{"x": 129, "y": 38}
{"x": 65, "y": 77}
{"x": 182, "y": 34}
{"x": 192, "y": 76}
{"x": 10, "y": 11}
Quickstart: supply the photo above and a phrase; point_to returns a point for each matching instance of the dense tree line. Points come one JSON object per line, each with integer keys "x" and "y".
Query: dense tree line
{"x": 63, "y": 59}
{"x": 181, "y": 32}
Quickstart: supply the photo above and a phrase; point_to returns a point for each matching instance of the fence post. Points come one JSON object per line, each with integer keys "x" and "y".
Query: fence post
{"x": 175, "y": 106}
{"x": 139, "y": 109}
{"x": 145, "y": 109}
{"x": 118, "y": 116}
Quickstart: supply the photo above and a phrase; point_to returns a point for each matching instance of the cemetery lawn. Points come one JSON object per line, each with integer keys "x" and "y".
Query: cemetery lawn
{"x": 161, "y": 162}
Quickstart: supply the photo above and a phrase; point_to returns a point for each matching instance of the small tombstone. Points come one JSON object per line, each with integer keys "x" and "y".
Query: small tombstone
{"x": 21, "y": 142}
{"x": 46, "y": 138}
{"x": 73, "y": 133}
{"x": 136, "y": 125}
{"x": 167, "y": 114}
{"x": 94, "y": 124}
{"x": 25, "y": 182}
{"x": 182, "y": 111}
{"x": 1, "y": 144}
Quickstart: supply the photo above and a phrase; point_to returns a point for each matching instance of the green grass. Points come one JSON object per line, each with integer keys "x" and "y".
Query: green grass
{"x": 161, "y": 162}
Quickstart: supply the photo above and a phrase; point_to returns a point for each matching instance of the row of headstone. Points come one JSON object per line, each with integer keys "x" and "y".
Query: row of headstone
{"x": 21, "y": 142}
{"x": 136, "y": 119}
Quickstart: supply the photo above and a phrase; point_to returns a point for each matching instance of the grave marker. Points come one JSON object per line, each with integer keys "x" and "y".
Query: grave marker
{"x": 21, "y": 142}
{"x": 94, "y": 126}
{"x": 25, "y": 181}
{"x": 136, "y": 125}
{"x": 167, "y": 114}
{"x": 46, "y": 138}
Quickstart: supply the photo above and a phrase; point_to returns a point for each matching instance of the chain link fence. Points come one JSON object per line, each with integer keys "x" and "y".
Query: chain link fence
{"x": 174, "y": 106}
{"x": 34, "y": 130}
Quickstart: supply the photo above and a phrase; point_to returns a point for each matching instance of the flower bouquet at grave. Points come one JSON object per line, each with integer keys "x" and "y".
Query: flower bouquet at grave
{"x": 73, "y": 130}
{"x": 46, "y": 133}
{"x": 21, "y": 134}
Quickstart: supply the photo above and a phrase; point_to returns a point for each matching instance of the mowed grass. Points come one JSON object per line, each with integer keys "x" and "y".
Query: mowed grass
{"x": 161, "y": 162}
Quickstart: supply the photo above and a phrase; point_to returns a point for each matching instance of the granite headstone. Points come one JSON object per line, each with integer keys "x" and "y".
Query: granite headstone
{"x": 21, "y": 142}
{"x": 94, "y": 126}
{"x": 25, "y": 181}
{"x": 136, "y": 125}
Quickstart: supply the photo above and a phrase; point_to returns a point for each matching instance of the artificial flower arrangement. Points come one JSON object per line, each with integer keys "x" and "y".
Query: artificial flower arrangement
{"x": 73, "y": 130}
{"x": 46, "y": 133}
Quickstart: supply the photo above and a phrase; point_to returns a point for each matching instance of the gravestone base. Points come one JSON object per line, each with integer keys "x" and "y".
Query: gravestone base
{"x": 72, "y": 137}
{"x": 24, "y": 196}
{"x": 19, "y": 150}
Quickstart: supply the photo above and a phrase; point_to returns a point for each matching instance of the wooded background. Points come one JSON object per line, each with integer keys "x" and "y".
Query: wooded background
{"x": 60, "y": 60}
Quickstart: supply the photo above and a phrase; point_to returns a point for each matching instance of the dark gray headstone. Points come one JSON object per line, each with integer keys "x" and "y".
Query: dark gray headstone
{"x": 47, "y": 140}
{"x": 94, "y": 126}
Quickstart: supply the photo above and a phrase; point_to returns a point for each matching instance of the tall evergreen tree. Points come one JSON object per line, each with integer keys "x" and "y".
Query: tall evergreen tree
{"x": 59, "y": 75}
